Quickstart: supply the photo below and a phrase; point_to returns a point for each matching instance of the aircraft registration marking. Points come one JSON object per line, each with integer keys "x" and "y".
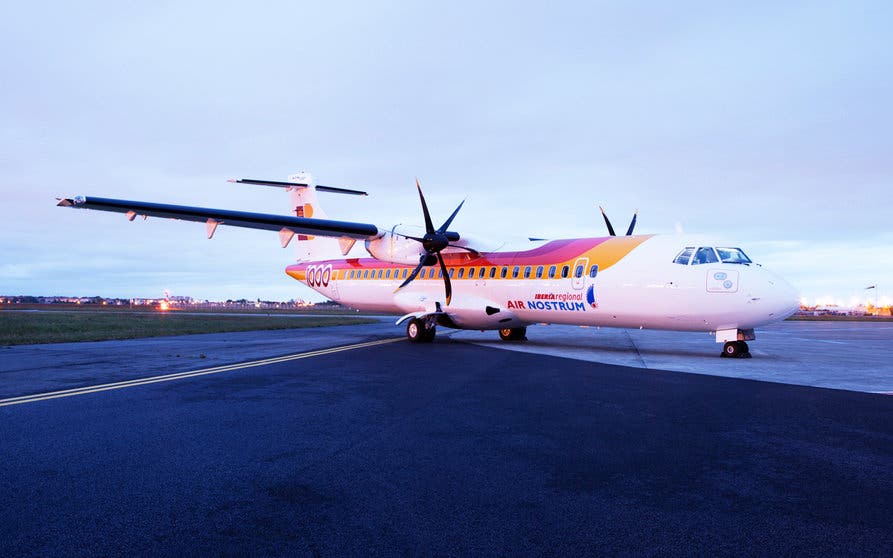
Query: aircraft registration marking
{"x": 188, "y": 374}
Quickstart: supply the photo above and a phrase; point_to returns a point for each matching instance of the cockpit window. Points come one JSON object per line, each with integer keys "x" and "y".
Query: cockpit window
{"x": 684, "y": 256}
{"x": 704, "y": 255}
{"x": 707, "y": 254}
{"x": 733, "y": 256}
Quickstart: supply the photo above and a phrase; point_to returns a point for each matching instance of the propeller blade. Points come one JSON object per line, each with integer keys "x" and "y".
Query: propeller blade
{"x": 607, "y": 222}
{"x": 632, "y": 224}
{"x": 412, "y": 275}
{"x": 429, "y": 226}
{"x": 446, "y": 279}
{"x": 446, "y": 223}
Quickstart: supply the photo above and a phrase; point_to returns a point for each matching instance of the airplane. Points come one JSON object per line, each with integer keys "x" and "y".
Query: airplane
{"x": 434, "y": 276}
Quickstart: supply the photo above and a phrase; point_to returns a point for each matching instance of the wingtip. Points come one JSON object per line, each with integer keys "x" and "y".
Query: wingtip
{"x": 71, "y": 202}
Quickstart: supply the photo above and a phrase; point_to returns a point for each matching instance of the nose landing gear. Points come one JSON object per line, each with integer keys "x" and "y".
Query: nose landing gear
{"x": 513, "y": 334}
{"x": 735, "y": 349}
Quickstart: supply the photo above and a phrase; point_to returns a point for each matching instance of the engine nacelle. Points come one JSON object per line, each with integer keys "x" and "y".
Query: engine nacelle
{"x": 396, "y": 248}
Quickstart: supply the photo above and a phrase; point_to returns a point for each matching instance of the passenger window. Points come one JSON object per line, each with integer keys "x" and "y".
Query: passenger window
{"x": 439, "y": 274}
{"x": 503, "y": 272}
{"x": 387, "y": 274}
{"x": 552, "y": 272}
{"x": 579, "y": 271}
{"x": 515, "y": 271}
{"x": 461, "y": 272}
{"x": 366, "y": 274}
{"x": 564, "y": 271}
{"x": 380, "y": 272}
{"x": 683, "y": 256}
{"x": 539, "y": 272}
{"x": 471, "y": 273}
{"x": 422, "y": 274}
{"x": 593, "y": 271}
{"x": 405, "y": 271}
{"x": 451, "y": 272}
{"x": 492, "y": 272}
{"x": 527, "y": 272}
{"x": 704, "y": 255}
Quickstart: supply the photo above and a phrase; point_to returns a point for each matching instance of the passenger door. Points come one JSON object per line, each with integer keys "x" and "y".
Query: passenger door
{"x": 579, "y": 273}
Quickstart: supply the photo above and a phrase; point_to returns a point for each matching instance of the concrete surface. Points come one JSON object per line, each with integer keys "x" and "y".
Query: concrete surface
{"x": 840, "y": 355}
{"x": 449, "y": 449}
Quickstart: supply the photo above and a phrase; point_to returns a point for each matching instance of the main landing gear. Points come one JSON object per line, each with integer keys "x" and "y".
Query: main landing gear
{"x": 513, "y": 334}
{"x": 420, "y": 331}
{"x": 735, "y": 349}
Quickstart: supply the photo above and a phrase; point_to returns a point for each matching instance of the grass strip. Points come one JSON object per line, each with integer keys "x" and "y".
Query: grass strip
{"x": 21, "y": 328}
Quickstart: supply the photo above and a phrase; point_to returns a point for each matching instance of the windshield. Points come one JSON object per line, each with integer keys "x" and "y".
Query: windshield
{"x": 708, "y": 254}
{"x": 733, "y": 256}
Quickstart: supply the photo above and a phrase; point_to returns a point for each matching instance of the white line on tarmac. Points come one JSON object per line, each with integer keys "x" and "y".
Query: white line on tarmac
{"x": 189, "y": 374}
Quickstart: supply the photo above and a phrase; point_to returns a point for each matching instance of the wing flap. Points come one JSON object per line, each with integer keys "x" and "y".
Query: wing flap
{"x": 263, "y": 221}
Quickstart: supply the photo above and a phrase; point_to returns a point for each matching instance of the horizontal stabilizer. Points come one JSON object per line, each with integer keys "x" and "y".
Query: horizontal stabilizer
{"x": 297, "y": 225}
{"x": 279, "y": 184}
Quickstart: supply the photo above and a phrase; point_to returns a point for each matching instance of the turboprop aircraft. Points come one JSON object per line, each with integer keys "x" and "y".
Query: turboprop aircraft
{"x": 435, "y": 276}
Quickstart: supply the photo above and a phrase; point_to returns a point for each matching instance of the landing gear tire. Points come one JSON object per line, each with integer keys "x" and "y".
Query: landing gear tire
{"x": 429, "y": 334}
{"x": 735, "y": 349}
{"x": 513, "y": 334}
{"x": 416, "y": 331}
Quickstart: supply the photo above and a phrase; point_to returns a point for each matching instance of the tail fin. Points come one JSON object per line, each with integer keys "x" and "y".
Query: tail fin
{"x": 304, "y": 203}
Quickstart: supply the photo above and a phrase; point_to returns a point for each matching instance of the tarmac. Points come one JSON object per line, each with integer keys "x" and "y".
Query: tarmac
{"x": 839, "y": 355}
{"x": 348, "y": 441}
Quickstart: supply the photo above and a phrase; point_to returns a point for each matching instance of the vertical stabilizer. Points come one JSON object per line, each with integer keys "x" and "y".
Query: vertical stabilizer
{"x": 302, "y": 191}
{"x": 305, "y": 203}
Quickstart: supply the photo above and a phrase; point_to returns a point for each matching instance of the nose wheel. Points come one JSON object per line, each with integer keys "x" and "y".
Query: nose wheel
{"x": 735, "y": 349}
{"x": 513, "y": 334}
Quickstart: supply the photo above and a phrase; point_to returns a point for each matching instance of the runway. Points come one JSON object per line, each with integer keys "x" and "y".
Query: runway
{"x": 367, "y": 447}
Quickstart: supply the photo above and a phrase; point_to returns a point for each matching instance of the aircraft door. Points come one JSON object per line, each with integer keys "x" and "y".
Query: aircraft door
{"x": 333, "y": 284}
{"x": 578, "y": 273}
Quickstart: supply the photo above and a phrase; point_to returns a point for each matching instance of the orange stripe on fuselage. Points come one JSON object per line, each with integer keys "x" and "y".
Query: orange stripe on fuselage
{"x": 613, "y": 250}
{"x": 604, "y": 252}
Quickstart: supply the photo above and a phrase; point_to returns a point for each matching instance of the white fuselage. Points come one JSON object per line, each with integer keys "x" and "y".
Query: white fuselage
{"x": 637, "y": 284}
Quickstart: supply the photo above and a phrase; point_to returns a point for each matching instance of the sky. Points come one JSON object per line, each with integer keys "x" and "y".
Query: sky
{"x": 766, "y": 123}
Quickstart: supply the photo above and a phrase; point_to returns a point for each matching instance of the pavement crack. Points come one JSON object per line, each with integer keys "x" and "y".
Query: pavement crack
{"x": 635, "y": 348}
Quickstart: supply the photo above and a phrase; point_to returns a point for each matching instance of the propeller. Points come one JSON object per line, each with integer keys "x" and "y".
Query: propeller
{"x": 434, "y": 241}
{"x": 629, "y": 231}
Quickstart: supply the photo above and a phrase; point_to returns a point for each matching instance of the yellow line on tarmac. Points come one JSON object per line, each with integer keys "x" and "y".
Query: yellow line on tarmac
{"x": 190, "y": 374}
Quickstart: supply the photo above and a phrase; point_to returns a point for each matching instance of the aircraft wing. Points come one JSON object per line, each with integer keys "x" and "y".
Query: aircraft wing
{"x": 284, "y": 224}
